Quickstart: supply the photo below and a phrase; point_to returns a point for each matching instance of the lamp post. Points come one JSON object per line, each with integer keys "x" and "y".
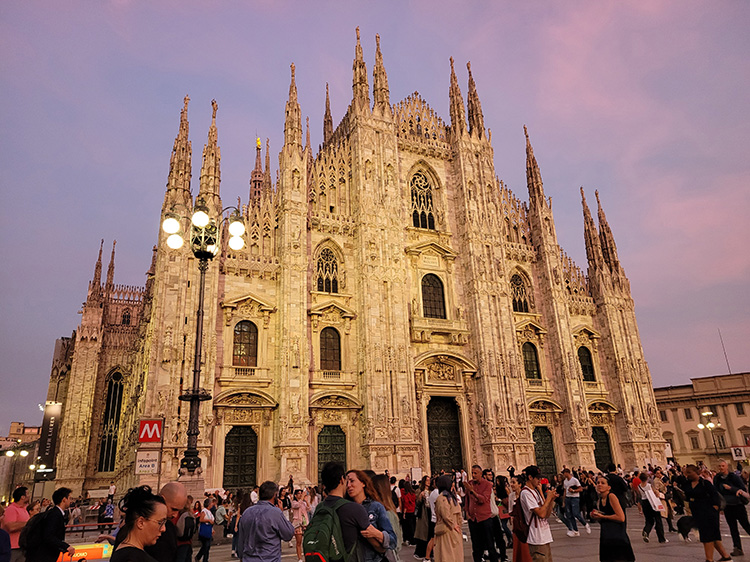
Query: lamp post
{"x": 13, "y": 455}
{"x": 204, "y": 243}
{"x": 709, "y": 424}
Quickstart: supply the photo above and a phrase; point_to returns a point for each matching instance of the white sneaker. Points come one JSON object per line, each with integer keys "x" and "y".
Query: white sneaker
{"x": 571, "y": 533}
{"x": 588, "y": 528}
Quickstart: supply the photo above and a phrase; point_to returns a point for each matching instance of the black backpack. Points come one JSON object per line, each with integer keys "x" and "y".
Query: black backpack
{"x": 323, "y": 540}
{"x": 32, "y": 532}
{"x": 190, "y": 527}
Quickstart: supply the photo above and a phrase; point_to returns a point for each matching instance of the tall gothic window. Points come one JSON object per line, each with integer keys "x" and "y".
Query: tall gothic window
{"x": 531, "y": 361}
{"x": 433, "y": 299}
{"x": 126, "y": 318}
{"x": 328, "y": 272}
{"x": 245, "y": 352}
{"x": 108, "y": 443}
{"x": 423, "y": 213}
{"x": 520, "y": 296}
{"x": 587, "y": 364}
{"x": 330, "y": 350}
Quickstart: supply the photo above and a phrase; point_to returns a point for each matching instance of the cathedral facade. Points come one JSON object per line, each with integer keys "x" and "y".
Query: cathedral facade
{"x": 395, "y": 306}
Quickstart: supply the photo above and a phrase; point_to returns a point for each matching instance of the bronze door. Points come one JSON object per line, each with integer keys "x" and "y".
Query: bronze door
{"x": 331, "y": 446}
{"x": 602, "y": 450}
{"x": 240, "y": 458}
{"x": 444, "y": 434}
{"x": 544, "y": 452}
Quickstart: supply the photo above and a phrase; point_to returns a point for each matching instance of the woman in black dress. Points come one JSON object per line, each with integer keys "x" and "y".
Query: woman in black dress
{"x": 614, "y": 543}
{"x": 704, "y": 503}
{"x": 145, "y": 520}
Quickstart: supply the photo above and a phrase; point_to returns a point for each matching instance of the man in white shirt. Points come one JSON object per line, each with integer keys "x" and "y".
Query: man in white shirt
{"x": 254, "y": 495}
{"x": 536, "y": 510}
{"x": 573, "y": 491}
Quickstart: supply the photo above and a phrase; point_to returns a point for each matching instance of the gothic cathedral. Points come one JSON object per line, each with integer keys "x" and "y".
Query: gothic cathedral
{"x": 395, "y": 306}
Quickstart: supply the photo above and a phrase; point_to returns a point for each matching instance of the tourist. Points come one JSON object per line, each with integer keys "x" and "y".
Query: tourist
{"x": 573, "y": 491}
{"x": 359, "y": 489}
{"x": 52, "y": 531}
{"x": 497, "y": 528}
{"x": 618, "y": 486}
{"x": 704, "y": 503}
{"x": 5, "y": 551}
{"x": 185, "y": 527}
{"x": 479, "y": 513}
{"x": 648, "y": 510}
{"x": 520, "y": 547}
{"x": 423, "y": 518}
{"x": 16, "y": 516}
{"x": 381, "y": 493}
{"x": 663, "y": 493}
{"x": 245, "y": 502}
{"x": 539, "y": 508}
{"x": 300, "y": 518}
{"x": 205, "y": 530}
{"x": 263, "y": 527}
{"x": 502, "y": 491}
{"x": 448, "y": 533}
{"x": 614, "y": 543}
{"x": 731, "y": 486}
{"x": 145, "y": 520}
{"x": 408, "y": 507}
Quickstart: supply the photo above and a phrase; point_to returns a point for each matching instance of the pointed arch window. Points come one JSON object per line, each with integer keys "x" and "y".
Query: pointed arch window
{"x": 587, "y": 364}
{"x": 519, "y": 293}
{"x": 245, "y": 349}
{"x": 423, "y": 212}
{"x": 328, "y": 272}
{"x": 531, "y": 361}
{"x": 126, "y": 318}
{"x": 433, "y": 298}
{"x": 112, "y": 407}
{"x": 330, "y": 350}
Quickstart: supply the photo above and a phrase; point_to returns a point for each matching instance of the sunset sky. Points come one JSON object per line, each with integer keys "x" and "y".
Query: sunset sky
{"x": 645, "y": 101}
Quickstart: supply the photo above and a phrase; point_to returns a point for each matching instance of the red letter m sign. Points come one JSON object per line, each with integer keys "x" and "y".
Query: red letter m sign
{"x": 150, "y": 431}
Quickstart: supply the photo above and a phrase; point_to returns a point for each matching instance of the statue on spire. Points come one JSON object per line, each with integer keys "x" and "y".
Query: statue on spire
{"x": 327, "y": 120}
{"x": 360, "y": 88}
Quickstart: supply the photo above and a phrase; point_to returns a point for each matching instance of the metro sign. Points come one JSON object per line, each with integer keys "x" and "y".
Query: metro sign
{"x": 150, "y": 431}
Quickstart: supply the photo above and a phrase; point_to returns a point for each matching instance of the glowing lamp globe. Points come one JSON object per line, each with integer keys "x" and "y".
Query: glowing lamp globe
{"x": 170, "y": 225}
{"x": 212, "y": 248}
{"x": 24, "y": 453}
{"x": 200, "y": 219}
{"x": 175, "y": 241}
{"x": 236, "y": 228}
{"x": 236, "y": 242}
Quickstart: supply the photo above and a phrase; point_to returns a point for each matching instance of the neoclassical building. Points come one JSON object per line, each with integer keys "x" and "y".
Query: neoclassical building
{"x": 395, "y": 306}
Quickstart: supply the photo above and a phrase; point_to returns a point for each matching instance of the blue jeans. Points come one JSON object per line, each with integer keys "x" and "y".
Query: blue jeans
{"x": 573, "y": 512}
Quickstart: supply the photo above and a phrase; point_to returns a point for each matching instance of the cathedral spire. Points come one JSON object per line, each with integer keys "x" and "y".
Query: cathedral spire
{"x": 327, "y": 119}
{"x": 267, "y": 172}
{"x": 256, "y": 176}
{"x": 97, "y": 281}
{"x": 607, "y": 240}
{"x": 307, "y": 133}
{"x": 111, "y": 270}
{"x": 380, "y": 92}
{"x": 533, "y": 175}
{"x": 211, "y": 171}
{"x": 476, "y": 119}
{"x": 591, "y": 237}
{"x": 180, "y": 165}
{"x": 360, "y": 88}
{"x": 457, "y": 112}
{"x": 293, "y": 123}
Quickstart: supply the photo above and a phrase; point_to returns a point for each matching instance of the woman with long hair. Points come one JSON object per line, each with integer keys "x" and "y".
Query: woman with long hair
{"x": 520, "y": 548}
{"x": 145, "y": 521}
{"x": 300, "y": 517}
{"x": 382, "y": 489}
{"x": 448, "y": 520}
{"x": 359, "y": 489}
{"x": 408, "y": 506}
{"x": 614, "y": 543}
{"x": 423, "y": 515}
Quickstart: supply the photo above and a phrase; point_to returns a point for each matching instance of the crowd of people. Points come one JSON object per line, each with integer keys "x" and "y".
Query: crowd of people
{"x": 364, "y": 516}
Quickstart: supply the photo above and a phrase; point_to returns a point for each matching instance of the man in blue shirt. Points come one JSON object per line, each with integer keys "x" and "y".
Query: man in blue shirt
{"x": 263, "y": 527}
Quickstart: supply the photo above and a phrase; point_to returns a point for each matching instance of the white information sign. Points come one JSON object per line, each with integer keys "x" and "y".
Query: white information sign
{"x": 147, "y": 462}
{"x": 738, "y": 453}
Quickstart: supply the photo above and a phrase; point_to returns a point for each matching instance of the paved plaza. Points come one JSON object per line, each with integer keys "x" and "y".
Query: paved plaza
{"x": 584, "y": 548}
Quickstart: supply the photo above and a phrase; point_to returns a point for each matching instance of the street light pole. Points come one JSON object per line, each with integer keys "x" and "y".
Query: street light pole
{"x": 204, "y": 243}
{"x": 710, "y": 425}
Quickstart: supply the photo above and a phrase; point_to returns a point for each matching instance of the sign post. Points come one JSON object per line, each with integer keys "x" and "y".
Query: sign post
{"x": 148, "y": 457}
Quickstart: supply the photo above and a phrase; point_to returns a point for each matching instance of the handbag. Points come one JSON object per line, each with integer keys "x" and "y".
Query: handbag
{"x": 493, "y": 505}
{"x": 206, "y": 531}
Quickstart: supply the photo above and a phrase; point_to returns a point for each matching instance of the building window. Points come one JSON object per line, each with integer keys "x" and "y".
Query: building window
{"x": 663, "y": 415}
{"x": 694, "y": 444}
{"x": 587, "y": 364}
{"x": 519, "y": 294}
{"x": 112, "y": 406}
{"x": 126, "y": 318}
{"x": 433, "y": 299}
{"x": 531, "y": 361}
{"x": 330, "y": 350}
{"x": 740, "y": 407}
{"x": 423, "y": 212}
{"x": 245, "y": 352}
{"x": 746, "y": 439}
{"x": 688, "y": 413}
{"x": 721, "y": 441}
{"x": 328, "y": 272}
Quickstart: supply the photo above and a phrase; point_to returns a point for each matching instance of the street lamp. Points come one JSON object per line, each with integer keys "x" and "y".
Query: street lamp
{"x": 10, "y": 453}
{"x": 204, "y": 243}
{"x": 710, "y": 425}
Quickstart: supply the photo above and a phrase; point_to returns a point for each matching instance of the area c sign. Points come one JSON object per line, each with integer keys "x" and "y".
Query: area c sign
{"x": 150, "y": 431}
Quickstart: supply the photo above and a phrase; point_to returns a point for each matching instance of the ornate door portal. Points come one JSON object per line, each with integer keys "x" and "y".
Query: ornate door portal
{"x": 602, "y": 450}
{"x": 444, "y": 434}
{"x": 240, "y": 458}
{"x": 331, "y": 446}
{"x": 544, "y": 451}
